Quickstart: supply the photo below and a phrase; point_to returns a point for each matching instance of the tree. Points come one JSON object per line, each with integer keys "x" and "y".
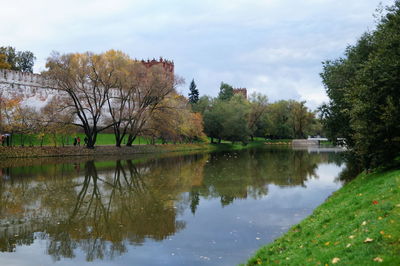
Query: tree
{"x": 300, "y": 119}
{"x": 15, "y": 118}
{"x": 203, "y": 104}
{"x": 194, "y": 93}
{"x": 235, "y": 119}
{"x": 122, "y": 100}
{"x": 213, "y": 118}
{"x": 258, "y": 107}
{"x": 363, "y": 87}
{"x": 196, "y": 129}
{"x": 84, "y": 82}
{"x": 227, "y": 119}
{"x": 16, "y": 60}
{"x": 3, "y": 62}
{"x": 278, "y": 120}
{"x": 9, "y": 113}
{"x": 10, "y": 56}
{"x": 225, "y": 92}
{"x": 174, "y": 121}
{"x": 57, "y": 125}
{"x": 147, "y": 99}
{"x": 25, "y": 61}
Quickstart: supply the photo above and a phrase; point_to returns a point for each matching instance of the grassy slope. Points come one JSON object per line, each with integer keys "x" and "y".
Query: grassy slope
{"x": 367, "y": 207}
{"x": 102, "y": 139}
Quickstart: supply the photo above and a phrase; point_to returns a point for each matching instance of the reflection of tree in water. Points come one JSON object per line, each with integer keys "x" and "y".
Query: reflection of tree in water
{"x": 238, "y": 175}
{"x": 101, "y": 212}
{"x": 113, "y": 204}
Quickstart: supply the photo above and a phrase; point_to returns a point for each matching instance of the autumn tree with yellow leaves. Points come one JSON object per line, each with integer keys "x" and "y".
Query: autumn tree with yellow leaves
{"x": 111, "y": 90}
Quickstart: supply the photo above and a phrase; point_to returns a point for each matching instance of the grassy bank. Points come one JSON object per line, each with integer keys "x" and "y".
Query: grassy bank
{"x": 357, "y": 225}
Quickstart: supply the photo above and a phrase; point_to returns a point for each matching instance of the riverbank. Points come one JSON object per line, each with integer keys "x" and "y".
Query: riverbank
{"x": 359, "y": 224}
{"x": 51, "y": 151}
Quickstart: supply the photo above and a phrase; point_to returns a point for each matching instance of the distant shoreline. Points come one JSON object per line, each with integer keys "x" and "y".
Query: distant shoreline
{"x": 68, "y": 151}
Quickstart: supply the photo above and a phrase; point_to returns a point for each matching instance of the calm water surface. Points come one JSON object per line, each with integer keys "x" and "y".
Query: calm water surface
{"x": 202, "y": 209}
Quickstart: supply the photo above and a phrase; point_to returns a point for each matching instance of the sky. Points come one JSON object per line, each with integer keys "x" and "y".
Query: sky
{"x": 273, "y": 47}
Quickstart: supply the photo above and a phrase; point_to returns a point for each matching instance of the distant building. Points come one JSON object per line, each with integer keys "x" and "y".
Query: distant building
{"x": 241, "y": 91}
{"x": 167, "y": 65}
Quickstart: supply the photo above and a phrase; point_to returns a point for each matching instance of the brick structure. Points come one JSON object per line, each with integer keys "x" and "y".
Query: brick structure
{"x": 167, "y": 65}
{"x": 242, "y": 91}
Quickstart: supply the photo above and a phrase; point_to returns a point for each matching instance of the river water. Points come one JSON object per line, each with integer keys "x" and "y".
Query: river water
{"x": 197, "y": 209}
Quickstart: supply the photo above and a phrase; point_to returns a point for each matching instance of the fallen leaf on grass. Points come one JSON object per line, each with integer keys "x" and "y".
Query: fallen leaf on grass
{"x": 368, "y": 240}
{"x": 364, "y": 223}
{"x": 378, "y": 259}
{"x": 327, "y": 243}
{"x": 348, "y": 245}
{"x": 382, "y": 232}
{"x": 335, "y": 260}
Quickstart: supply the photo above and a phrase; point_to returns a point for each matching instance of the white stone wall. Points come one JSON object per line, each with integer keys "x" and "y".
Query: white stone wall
{"x": 33, "y": 88}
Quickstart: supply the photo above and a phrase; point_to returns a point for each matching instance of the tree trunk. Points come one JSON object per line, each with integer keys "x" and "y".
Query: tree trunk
{"x": 131, "y": 139}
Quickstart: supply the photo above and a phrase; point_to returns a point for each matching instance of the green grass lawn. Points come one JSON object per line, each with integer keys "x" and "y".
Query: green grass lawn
{"x": 102, "y": 139}
{"x": 357, "y": 225}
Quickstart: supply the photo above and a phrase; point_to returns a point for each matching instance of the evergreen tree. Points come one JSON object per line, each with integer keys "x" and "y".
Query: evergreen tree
{"x": 194, "y": 93}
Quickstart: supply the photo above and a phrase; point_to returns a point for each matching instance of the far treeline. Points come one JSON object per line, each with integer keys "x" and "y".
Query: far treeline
{"x": 232, "y": 117}
{"x": 364, "y": 91}
{"x": 110, "y": 92}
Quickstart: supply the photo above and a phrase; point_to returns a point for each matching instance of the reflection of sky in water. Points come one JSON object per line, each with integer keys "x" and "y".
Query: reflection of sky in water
{"x": 214, "y": 235}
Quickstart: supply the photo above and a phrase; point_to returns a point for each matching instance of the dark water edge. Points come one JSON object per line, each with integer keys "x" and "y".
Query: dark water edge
{"x": 195, "y": 209}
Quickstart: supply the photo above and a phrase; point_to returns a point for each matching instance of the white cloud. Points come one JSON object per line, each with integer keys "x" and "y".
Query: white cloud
{"x": 271, "y": 46}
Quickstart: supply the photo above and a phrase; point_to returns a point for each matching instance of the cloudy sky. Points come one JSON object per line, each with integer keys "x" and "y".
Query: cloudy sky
{"x": 270, "y": 46}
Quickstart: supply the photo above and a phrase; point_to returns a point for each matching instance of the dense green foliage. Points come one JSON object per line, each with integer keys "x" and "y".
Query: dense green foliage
{"x": 238, "y": 119}
{"x": 358, "y": 225}
{"x": 225, "y": 92}
{"x": 363, "y": 88}
{"x": 291, "y": 119}
{"x": 16, "y": 60}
